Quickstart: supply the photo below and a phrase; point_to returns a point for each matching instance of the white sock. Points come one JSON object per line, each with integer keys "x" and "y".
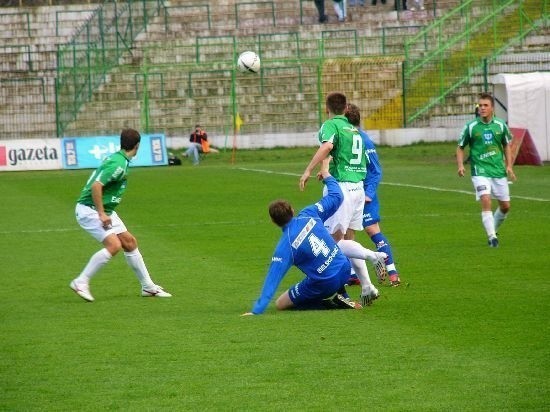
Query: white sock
{"x": 338, "y": 8}
{"x": 95, "y": 263}
{"x": 360, "y": 267}
{"x": 353, "y": 249}
{"x": 498, "y": 218}
{"x": 488, "y": 223}
{"x": 135, "y": 261}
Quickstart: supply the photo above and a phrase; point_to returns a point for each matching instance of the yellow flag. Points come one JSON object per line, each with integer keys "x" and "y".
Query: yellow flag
{"x": 238, "y": 122}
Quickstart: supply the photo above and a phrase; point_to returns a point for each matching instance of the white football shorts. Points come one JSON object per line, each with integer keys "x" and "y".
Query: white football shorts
{"x": 497, "y": 187}
{"x": 88, "y": 219}
{"x": 350, "y": 213}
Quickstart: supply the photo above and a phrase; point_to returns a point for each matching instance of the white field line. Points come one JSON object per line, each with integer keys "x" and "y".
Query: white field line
{"x": 177, "y": 226}
{"x": 433, "y": 188}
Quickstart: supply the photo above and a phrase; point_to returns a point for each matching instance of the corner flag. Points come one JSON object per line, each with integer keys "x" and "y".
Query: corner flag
{"x": 238, "y": 123}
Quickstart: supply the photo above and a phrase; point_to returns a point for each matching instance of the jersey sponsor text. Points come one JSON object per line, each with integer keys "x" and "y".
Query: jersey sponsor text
{"x": 329, "y": 260}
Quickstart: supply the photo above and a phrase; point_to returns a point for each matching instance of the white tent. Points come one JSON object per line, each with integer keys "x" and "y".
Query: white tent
{"x": 524, "y": 101}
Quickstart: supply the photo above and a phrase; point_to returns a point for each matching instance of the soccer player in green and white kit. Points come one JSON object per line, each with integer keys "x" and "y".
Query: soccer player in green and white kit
{"x": 491, "y": 163}
{"x": 341, "y": 140}
{"x": 342, "y": 146}
{"x": 95, "y": 213}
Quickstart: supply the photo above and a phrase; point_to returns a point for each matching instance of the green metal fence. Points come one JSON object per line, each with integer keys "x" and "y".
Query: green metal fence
{"x": 459, "y": 46}
{"x": 181, "y": 84}
{"x": 286, "y": 96}
{"x": 24, "y": 16}
{"x": 83, "y": 63}
{"x": 104, "y": 82}
{"x": 195, "y": 16}
{"x": 29, "y": 99}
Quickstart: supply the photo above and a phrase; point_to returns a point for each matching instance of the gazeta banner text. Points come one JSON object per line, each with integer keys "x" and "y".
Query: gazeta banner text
{"x": 30, "y": 154}
{"x": 89, "y": 152}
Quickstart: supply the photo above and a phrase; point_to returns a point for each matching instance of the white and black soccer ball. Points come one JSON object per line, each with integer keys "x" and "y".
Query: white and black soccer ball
{"x": 248, "y": 62}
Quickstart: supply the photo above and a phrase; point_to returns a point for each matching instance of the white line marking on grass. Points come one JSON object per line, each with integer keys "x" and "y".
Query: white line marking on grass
{"x": 7, "y": 232}
{"x": 160, "y": 225}
{"x": 268, "y": 172}
{"x": 435, "y": 189}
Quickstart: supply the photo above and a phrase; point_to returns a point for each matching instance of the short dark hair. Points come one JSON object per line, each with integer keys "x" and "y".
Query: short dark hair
{"x": 281, "y": 212}
{"x": 353, "y": 114}
{"x": 336, "y": 102}
{"x": 129, "y": 138}
{"x": 487, "y": 96}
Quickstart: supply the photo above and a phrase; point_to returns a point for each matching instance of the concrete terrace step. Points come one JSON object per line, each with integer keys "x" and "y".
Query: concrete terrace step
{"x": 32, "y": 24}
{"x": 180, "y": 94}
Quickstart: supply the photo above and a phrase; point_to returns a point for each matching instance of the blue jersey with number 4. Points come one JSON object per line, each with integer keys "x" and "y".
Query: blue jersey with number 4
{"x": 306, "y": 244}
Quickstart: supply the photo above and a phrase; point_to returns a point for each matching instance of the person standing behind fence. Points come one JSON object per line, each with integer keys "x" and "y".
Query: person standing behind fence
{"x": 340, "y": 9}
{"x": 417, "y": 5}
{"x": 320, "y": 4}
{"x": 399, "y": 5}
{"x": 491, "y": 164}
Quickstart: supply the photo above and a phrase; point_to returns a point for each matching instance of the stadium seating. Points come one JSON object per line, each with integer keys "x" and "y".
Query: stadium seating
{"x": 185, "y": 34}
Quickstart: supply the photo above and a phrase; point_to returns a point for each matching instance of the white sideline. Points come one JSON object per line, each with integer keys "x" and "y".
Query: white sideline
{"x": 433, "y": 188}
{"x": 436, "y": 189}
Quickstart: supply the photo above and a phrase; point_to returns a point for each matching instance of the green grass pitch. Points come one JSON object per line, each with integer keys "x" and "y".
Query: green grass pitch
{"x": 470, "y": 332}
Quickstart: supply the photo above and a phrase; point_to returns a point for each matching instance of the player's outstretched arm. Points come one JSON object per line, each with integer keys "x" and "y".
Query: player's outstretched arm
{"x": 321, "y": 154}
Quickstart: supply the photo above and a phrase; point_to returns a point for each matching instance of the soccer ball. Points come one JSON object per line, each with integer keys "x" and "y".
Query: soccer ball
{"x": 248, "y": 62}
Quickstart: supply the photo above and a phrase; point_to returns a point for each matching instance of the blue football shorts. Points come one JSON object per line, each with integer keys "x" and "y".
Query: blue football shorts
{"x": 371, "y": 212}
{"x": 309, "y": 290}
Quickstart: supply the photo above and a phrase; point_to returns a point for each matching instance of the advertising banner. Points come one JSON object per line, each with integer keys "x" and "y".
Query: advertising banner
{"x": 30, "y": 154}
{"x": 89, "y": 152}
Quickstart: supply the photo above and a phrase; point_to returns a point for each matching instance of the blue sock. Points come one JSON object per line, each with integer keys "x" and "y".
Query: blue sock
{"x": 342, "y": 291}
{"x": 382, "y": 245}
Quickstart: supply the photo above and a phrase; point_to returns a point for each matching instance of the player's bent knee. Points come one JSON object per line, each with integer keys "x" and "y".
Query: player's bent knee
{"x": 112, "y": 244}
{"x": 128, "y": 241}
{"x": 284, "y": 302}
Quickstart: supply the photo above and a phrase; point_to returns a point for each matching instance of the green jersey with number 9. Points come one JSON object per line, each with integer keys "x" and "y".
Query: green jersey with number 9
{"x": 349, "y": 160}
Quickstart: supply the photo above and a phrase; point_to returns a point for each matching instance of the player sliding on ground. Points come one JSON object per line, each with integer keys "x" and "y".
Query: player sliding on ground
{"x": 308, "y": 245}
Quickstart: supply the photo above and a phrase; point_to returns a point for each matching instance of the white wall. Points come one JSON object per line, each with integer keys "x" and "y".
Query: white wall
{"x": 391, "y": 137}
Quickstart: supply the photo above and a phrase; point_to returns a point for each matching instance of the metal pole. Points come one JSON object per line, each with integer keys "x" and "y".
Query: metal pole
{"x": 404, "y": 94}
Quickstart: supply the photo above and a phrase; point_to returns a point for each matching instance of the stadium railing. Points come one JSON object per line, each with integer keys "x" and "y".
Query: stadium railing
{"x": 297, "y": 70}
{"x": 84, "y": 62}
{"x": 460, "y": 45}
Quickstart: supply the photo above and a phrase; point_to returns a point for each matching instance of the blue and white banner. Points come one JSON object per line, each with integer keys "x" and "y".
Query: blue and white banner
{"x": 89, "y": 152}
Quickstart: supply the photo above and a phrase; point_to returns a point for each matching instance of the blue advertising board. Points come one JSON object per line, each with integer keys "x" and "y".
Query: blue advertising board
{"x": 89, "y": 152}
